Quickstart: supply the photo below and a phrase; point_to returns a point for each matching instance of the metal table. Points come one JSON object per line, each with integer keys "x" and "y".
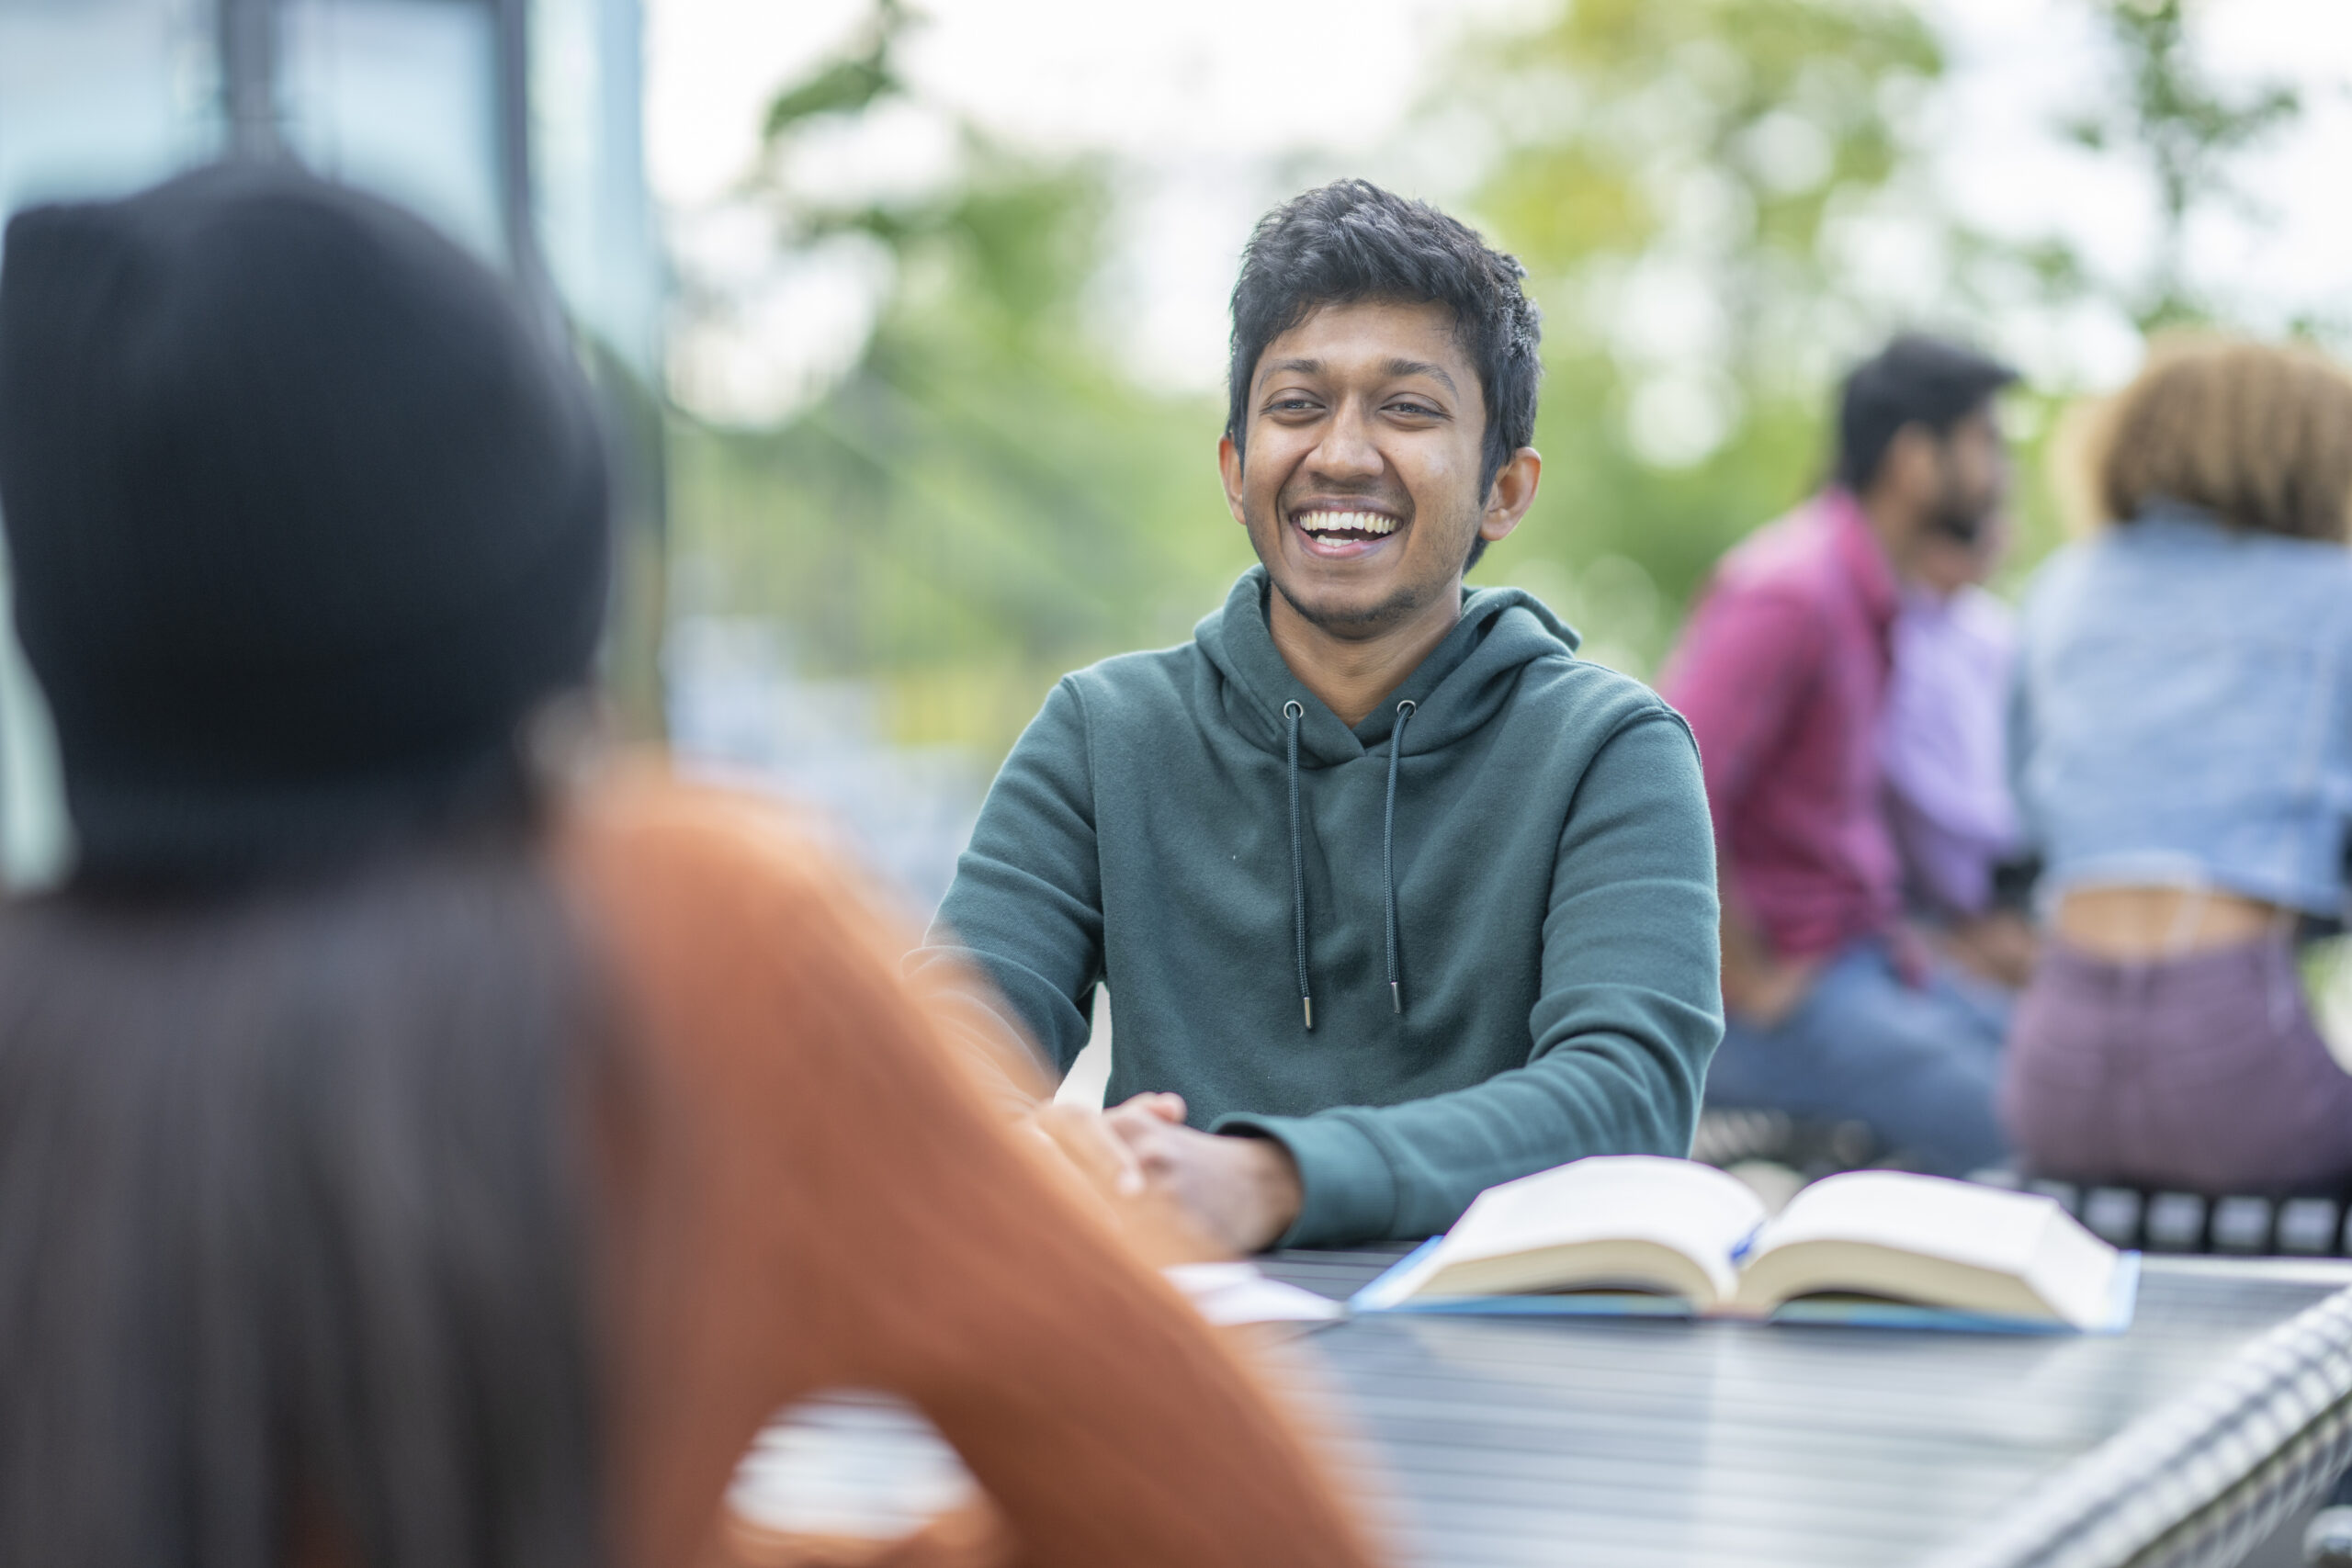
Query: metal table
{"x": 2224, "y": 1410}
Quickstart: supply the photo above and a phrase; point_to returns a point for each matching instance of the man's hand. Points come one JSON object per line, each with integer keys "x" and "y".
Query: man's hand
{"x": 1242, "y": 1192}
{"x": 1105, "y": 1172}
{"x": 1084, "y": 1138}
{"x": 1761, "y": 989}
{"x": 2000, "y": 947}
{"x": 1763, "y": 995}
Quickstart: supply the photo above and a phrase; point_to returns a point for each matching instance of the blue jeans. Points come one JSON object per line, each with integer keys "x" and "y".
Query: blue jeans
{"x": 1919, "y": 1066}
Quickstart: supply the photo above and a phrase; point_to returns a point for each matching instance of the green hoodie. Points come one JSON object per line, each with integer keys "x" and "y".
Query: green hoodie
{"x": 1508, "y": 928}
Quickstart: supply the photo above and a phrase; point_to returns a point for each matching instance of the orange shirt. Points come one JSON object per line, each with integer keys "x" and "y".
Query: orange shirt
{"x": 807, "y": 1192}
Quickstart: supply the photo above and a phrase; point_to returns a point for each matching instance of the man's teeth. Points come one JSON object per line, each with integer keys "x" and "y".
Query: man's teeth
{"x": 1347, "y": 523}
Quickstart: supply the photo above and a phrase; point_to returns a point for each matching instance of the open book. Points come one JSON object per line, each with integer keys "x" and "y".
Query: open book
{"x": 1690, "y": 1238}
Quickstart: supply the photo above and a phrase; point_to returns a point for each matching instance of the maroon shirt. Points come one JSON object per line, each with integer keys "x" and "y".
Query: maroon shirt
{"x": 1782, "y": 673}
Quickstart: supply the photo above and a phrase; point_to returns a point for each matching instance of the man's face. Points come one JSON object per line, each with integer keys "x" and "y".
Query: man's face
{"x": 1973, "y": 473}
{"x": 1945, "y": 565}
{"x": 1958, "y": 487}
{"x": 1360, "y": 491}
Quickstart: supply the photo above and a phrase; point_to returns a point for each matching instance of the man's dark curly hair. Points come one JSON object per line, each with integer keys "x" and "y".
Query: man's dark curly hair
{"x": 1350, "y": 241}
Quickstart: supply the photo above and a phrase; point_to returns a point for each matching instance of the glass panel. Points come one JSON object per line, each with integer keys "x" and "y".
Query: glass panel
{"x": 98, "y": 97}
{"x": 588, "y": 170}
{"x": 399, "y": 96}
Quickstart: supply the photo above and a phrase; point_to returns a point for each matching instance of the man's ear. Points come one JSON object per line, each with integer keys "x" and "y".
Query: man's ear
{"x": 1511, "y": 494}
{"x": 1229, "y": 467}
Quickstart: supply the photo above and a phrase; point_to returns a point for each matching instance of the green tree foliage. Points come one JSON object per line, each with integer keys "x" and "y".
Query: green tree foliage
{"x": 986, "y": 501}
{"x": 846, "y": 86}
{"x": 1737, "y": 148}
{"x": 1767, "y": 115}
{"x": 2166, "y": 114}
{"x": 1690, "y": 161}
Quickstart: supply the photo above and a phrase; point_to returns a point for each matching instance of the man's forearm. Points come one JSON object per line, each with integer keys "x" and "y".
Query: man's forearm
{"x": 1371, "y": 1173}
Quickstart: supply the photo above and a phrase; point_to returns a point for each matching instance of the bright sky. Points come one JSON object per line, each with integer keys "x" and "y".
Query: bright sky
{"x": 2020, "y": 64}
{"x": 1208, "y": 105}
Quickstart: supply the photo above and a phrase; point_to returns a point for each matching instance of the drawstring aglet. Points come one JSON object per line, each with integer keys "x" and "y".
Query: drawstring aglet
{"x": 1396, "y": 996}
{"x": 1307, "y": 1004}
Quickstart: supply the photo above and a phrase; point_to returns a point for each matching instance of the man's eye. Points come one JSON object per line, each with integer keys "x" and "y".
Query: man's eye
{"x": 1290, "y": 405}
{"x": 1418, "y": 409}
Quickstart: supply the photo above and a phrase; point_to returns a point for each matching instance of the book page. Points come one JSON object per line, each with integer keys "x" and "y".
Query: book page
{"x": 1926, "y": 1238}
{"x": 2074, "y": 1272}
{"x": 1984, "y": 1227}
{"x": 1681, "y": 1206}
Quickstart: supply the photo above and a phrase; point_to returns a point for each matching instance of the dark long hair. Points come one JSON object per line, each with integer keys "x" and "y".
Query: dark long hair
{"x": 292, "y": 1237}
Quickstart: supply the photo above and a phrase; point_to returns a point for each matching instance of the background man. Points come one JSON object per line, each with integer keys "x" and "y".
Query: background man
{"x": 1398, "y": 899}
{"x": 1832, "y": 1007}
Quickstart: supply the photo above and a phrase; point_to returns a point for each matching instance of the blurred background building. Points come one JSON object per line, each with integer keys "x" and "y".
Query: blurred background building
{"x": 914, "y": 312}
{"x": 515, "y": 125}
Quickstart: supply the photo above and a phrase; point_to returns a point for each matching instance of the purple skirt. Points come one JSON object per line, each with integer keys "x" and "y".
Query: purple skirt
{"x": 2203, "y": 1073}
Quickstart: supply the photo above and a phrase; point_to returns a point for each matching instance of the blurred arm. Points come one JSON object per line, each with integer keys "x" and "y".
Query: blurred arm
{"x": 1017, "y": 950}
{"x": 870, "y": 1223}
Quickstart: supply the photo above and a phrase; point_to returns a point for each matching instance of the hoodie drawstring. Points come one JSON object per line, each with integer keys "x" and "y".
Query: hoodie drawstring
{"x": 1293, "y": 712}
{"x": 1405, "y": 710}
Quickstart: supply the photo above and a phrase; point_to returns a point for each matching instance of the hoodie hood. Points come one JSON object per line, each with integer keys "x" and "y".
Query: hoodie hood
{"x": 1464, "y": 683}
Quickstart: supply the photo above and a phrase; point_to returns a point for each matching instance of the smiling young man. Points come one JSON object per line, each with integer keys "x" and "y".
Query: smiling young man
{"x": 1395, "y": 897}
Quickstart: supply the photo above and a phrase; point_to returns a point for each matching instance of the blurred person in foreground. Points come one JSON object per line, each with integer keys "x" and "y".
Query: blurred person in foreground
{"x": 2184, "y": 760}
{"x": 1833, "y": 1008}
{"x": 410, "y": 1156}
{"x": 1395, "y": 897}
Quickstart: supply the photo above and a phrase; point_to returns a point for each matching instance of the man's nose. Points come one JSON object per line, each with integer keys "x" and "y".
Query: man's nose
{"x": 1347, "y": 450}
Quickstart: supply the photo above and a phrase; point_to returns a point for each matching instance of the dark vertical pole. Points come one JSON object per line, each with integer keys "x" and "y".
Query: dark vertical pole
{"x": 249, "y": 77}
{"x": 516, "y": 210}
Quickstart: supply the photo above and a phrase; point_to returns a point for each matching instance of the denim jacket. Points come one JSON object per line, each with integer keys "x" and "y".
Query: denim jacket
{"x": 2183, "y": 711}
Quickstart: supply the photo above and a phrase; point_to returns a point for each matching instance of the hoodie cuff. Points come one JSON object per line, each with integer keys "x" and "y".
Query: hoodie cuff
{"x": 1347, "y": 1193}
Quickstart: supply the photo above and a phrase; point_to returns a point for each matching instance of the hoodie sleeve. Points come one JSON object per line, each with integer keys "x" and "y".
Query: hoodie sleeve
{"x": 1629, "y": 1013}
{"x": 1025, "y": 909}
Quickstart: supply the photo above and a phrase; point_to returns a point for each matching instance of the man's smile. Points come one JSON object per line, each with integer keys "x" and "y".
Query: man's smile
{"x": 1335, "y": 533}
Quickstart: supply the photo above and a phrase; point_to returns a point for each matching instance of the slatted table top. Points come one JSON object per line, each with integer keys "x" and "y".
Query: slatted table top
{"x": 1492, "y": 1441}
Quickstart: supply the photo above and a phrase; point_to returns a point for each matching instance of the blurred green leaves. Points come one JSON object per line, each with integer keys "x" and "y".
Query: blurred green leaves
{"x": 2166, "y": 113}
{"x": 1787, "y": 101}
{"x": 1675, "y": 174}
{"x": 1720, "y": 203}
{"x": 844, "y": 85}
{"x": 987, "y": 500}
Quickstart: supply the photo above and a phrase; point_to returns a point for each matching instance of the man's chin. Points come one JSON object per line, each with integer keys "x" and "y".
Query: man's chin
{"x": 1352, "y": 617}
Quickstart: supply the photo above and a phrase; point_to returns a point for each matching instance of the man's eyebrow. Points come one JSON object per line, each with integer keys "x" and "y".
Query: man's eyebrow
{"x": 1295, "y": 367}
{"x": 1392, "y": 367}
{"x": 1421, "y": 367}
